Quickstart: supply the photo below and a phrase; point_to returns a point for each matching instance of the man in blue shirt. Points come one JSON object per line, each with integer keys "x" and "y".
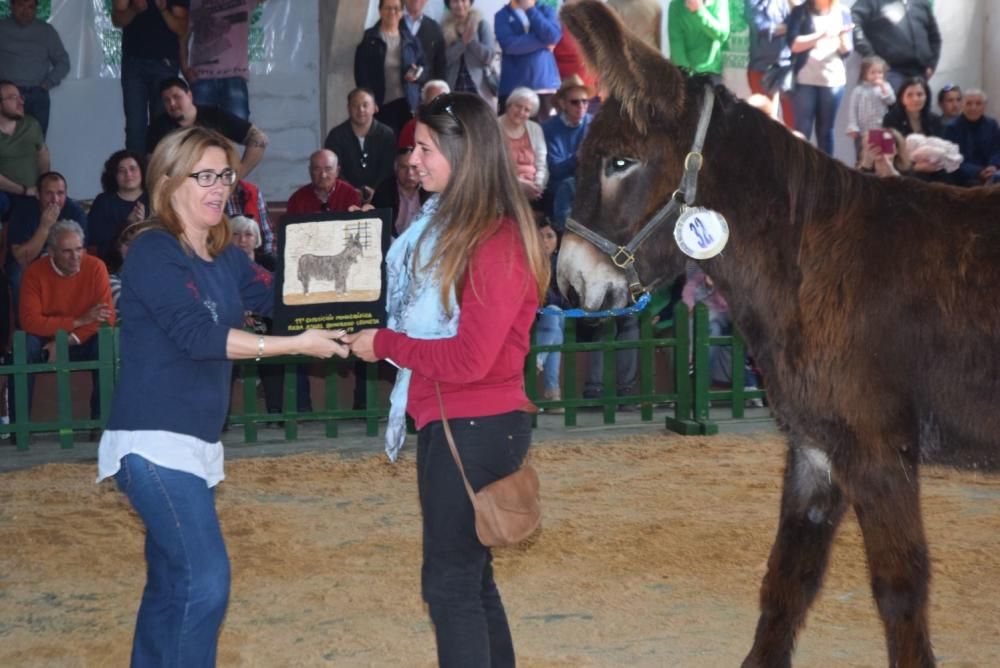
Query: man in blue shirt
{"x": 30, "y": 220}
{"x": 563, "y": 135}
{"x": 428, "y": 33}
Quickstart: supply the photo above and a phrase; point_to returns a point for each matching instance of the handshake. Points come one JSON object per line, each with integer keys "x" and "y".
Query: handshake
{"x": 326, "y": 343}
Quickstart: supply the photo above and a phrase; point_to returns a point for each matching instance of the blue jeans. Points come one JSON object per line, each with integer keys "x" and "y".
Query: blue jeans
{"x": 720, "y": 358}
{"x": 549, "y": 331}
{"x": 470, "y": 623}
{"x": 141, "y": 79}
{"x": 229, "y": 93}
{"x": 817, "y": 105}
{"x": 82, "y": 353}
{"x": 37, "y": 104}
{"x": 627, "y": 360}
{"x": 187, "y": 568}
{"x": 562, "y": 203}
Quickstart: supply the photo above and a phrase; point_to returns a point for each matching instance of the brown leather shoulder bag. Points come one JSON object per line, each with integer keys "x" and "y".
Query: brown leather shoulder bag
{"x": 508, "y": 510}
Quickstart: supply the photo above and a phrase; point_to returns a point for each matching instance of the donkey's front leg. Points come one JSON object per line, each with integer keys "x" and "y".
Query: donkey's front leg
{"x": 811, "y": 509}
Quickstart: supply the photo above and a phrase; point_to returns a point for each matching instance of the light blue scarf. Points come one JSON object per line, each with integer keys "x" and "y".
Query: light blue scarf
{"x": 414, "y": 308}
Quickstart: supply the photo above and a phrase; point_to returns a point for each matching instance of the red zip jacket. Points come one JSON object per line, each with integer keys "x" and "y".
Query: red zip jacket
{"x": 480, "y": 369}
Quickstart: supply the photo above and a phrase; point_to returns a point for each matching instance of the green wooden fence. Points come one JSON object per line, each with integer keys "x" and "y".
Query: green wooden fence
{"x": 673, "y": 373}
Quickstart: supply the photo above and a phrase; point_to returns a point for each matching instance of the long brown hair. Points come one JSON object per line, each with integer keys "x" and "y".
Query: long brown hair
{"x": 483, "y": 188}
{"x": 174, "y": 158}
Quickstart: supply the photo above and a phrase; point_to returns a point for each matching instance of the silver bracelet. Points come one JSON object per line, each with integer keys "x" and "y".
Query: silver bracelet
{"x": 260, "y": 348}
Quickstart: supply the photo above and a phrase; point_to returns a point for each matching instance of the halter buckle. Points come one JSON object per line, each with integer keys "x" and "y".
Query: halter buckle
{"x": 696, "y": 156}
{"x": 636, "y": 290}
{"x": 629, "y": 257}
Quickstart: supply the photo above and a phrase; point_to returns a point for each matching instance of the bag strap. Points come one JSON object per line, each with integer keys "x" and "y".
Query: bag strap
{"x": 451, "y": 444}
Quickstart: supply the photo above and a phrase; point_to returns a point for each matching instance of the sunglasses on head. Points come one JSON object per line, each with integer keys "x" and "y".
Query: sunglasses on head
{"x": 442, "y": 104}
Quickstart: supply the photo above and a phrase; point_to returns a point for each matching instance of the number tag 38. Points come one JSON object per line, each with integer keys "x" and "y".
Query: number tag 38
{"x": 701, "y": 233}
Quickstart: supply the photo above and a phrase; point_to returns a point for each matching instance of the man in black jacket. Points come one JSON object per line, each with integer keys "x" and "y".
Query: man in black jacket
{"x": 365, "y": 146}
{"x": 902, "y": 32}
{"x": 428, "y": 33}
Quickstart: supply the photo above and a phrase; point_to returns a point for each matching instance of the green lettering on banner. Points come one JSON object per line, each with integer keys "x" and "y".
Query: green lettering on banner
{"x": 736, "y": 52}
{"x": 256, "y": 39}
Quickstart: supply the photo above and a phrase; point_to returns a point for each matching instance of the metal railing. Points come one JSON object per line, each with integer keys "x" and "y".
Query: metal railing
{"x": 673, "y": 372}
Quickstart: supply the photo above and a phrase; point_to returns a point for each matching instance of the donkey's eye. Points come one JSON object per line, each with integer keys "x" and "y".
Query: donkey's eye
{"x": 613, "y": 166}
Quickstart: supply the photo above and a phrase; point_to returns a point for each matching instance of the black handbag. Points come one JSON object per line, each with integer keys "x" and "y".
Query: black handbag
{"x": 778, "y": 78}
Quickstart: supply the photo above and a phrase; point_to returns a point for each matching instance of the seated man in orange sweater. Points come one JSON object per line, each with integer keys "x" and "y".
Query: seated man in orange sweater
{"x": 68, "y": 290}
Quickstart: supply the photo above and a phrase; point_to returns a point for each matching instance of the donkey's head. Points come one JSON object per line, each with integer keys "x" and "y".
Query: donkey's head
{"x": 353, "y": 245}
{"x": 631, "y": 161}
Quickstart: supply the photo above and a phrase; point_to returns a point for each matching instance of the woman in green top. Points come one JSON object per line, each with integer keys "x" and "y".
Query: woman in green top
{"x": 698, "y": 29}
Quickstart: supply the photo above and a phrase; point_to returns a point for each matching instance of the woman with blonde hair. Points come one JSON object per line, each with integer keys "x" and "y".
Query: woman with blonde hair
{"x": 465, "y": 280}
{"x": 526, "y": 142}
{"x": 185, "y": 288}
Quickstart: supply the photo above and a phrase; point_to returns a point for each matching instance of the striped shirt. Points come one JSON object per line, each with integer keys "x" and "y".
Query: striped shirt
{"x": 868, "y": 105}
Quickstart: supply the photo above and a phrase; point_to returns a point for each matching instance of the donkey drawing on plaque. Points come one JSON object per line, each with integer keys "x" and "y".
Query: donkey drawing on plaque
{"x": 333, "y": 261}
{"x": 330, "y": 267}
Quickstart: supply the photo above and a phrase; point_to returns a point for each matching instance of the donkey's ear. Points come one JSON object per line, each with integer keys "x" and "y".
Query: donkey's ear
{"x": 632, "y": 71}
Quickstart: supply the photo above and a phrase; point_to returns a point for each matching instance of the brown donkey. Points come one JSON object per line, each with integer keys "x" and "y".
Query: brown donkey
{"x": 871, "y": 305}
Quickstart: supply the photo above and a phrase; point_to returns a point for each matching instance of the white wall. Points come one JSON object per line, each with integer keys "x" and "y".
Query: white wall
{"x": 963, "y": 29}
{"x": 991, "y": 55}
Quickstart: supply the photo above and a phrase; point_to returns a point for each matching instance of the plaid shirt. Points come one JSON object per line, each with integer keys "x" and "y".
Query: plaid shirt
{"x": 247, "y": 200}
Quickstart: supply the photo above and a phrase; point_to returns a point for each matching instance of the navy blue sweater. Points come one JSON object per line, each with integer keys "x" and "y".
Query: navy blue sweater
{"x": 176, "y": 312}
{"x": 979, "y": 143}
{"x": 107, "y": 218}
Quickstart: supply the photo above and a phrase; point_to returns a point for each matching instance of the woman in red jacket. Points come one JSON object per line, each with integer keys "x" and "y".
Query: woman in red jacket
{"x": 461, "y": 307}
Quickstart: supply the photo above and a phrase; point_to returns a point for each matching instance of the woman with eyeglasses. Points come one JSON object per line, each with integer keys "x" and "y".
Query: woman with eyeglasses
{"x": 464, "y": 281}
{"x": 185, "y": 289}
{"x": 389, "y": 61}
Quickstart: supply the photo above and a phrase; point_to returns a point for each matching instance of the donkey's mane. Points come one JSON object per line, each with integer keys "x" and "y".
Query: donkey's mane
{"x": 818, "y": 186}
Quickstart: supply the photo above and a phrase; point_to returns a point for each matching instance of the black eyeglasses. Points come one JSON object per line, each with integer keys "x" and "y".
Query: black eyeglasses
{"x": 206, "y": 178}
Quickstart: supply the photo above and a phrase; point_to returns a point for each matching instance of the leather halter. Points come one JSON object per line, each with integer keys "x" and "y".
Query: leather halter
{"x": 623, "y": 257}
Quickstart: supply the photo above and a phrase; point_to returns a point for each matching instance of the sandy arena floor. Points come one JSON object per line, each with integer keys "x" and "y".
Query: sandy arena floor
{"x": 651, "y": 554}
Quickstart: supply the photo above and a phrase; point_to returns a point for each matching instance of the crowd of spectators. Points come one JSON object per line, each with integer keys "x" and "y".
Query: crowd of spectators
{"x": 797, "y": 52}
{"x": 185, "y": 62}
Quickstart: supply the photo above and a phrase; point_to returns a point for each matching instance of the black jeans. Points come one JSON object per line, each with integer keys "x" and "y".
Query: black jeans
{"x": 457, "y": 577}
